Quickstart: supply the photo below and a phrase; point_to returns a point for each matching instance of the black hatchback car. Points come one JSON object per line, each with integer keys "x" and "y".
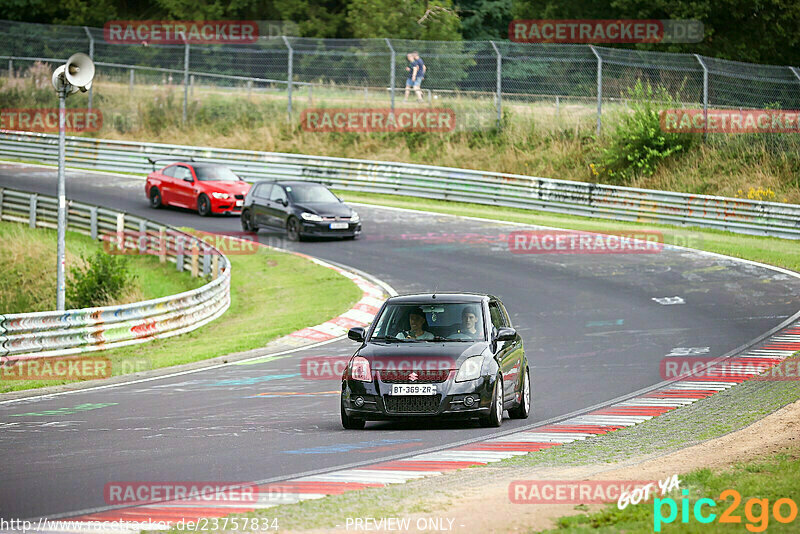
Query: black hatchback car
{"x": 301, "y": 208}
{"x": 448, "y": 355}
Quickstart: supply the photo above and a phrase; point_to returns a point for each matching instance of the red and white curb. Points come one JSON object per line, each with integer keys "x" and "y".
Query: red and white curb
{"x": 602, "y": 421}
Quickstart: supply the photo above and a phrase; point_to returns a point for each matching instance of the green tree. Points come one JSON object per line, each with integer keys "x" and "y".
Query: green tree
{"x": 484, "y": 19}
{"x": 434, "y": 20}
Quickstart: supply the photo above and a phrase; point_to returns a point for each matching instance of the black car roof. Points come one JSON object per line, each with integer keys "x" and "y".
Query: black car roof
{"x": 439, "y": 297}
{"x": 288, "y": 182}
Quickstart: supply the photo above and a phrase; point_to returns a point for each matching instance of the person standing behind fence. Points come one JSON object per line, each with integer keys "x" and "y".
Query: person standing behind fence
{"x": 416, "y": 72}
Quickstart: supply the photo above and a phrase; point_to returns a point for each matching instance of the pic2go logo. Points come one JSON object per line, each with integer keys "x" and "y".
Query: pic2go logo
{"x": 757, "y": 521}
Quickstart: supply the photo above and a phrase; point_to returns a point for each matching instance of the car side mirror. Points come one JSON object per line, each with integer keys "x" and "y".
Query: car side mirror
{"x": 505, "y": 333}
{"x": 284, "y": 202}
{"x": 357, "y": 333}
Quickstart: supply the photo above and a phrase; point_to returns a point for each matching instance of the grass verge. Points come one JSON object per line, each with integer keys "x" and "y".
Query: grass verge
{"x": 272, "y": 294}
{"x": 767, "y": 481}
{"x": 28, "y": 264}
{"x": 772, "y": 250}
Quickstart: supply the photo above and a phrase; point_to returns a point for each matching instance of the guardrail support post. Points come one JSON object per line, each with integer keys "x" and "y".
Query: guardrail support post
{"x": 121, "y": 231}
{"x": 599, "y": 88}
{"x": 499, "y": 97}
{"x": 705, "y": 95}
{"x": 206, "y": 261}
{"x": 144, "y": 239}
{"x": 91, "y": 56}
{"x": 93, "y": 222}
{"x": 179, "y": 249}
{"x": 289, "y": 76}
{"x": 215, "y": 267}
{"x": 392, "y": 71}
{"x": 195, "y": 254}
{"x": 185, "y": 79}
{"x": 162, "y": 245}
{"x": 1, "y": 203}
{"x": 32, "y": 211}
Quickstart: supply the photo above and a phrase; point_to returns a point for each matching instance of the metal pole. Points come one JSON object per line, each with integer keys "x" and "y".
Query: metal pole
{"x": 62, "y": 201}
{"x": 91, "y": 56}
{"x": 131, "y": 80}
{"x": 289, "y": 76}
{"x": 185, "y": 79}
{"x": 705, "y": 95}
{"x": 499, "y": 83}
{"x": 392, "y": 72}
{"x": 794, "y": 71}
{"x": 599, "y": 88}
{"x": 10, "y": 68}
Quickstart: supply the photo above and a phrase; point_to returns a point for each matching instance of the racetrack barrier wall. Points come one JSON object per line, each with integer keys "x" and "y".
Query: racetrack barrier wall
{"x": 744, "y": 216}
{"x": 57, "y": 333}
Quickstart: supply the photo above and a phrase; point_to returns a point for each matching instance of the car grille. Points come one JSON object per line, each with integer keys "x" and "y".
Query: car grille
{"x": 421, "y": 376}
{"x": 412, "y": 403}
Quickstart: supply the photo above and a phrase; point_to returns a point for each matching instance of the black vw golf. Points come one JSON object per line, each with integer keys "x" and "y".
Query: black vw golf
{"x": 301, "y": 208}
{"x": 449, "y": 355}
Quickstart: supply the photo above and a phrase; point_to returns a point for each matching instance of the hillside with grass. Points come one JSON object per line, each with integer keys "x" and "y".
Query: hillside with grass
{"x": 536, "y": 138}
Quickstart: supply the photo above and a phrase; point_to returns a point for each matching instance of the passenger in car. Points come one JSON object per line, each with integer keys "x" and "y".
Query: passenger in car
{"x": 417, "y": 324}
{"x": 469, "y": 323}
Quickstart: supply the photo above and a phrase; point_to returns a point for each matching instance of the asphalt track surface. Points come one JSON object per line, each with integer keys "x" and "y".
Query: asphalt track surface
{"x": 591, "y": 329}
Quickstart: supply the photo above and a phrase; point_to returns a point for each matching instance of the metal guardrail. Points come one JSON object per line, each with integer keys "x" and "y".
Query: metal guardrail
{"x": 58, "y": 333}
{"x": 445, "y": 183}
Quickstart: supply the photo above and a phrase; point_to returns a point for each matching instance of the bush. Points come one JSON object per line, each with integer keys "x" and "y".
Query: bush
{"x": 102, "y": 279}
{"x": 638, "y": 144}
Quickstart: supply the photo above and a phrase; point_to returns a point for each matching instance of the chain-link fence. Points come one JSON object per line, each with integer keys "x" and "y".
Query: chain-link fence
{"x": 482, "y": 76}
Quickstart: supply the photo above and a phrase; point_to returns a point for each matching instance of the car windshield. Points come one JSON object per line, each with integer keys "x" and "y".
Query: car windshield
{"x": 417, "y": 323}
{"x": 310, "y": 193}
{"x": 215, "y": 173}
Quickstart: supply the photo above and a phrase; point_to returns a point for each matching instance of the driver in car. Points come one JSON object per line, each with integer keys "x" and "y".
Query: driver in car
{"x": 469, "y": 324}
{"x": 417, "y": 323}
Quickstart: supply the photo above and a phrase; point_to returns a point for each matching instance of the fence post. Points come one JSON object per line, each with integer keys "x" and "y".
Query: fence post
{"x": 794, "y": 71}
{"x": 705, "y": 95}
{"x": 162, "y": 245}
{"x": 180, "y": 239}
{"x": 289, "y": 76}
{"x": 1, "y": 203}
{"x": 599, "y": 88}
{"x": 144, "y": 239}
{"x": 392, "y": 72}
{"x": 32, "y": 211}
{"x": 215, "y": 266}
{"x": 185, "y": 78}
{"x": 10, "y": 68}
{"x": 206, "y": 261}
{"x": 121, "y": 232}
{"x": 131, "y": 80}
{"x": 499, "y": 97}
{"x": 310, "y": 94}
{"x": 91, "y": 56}
{"x": 191, "y": 84}
{"x": 93, "y": 222}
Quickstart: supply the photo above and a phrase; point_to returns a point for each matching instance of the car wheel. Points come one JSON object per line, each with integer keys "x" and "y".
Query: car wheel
{"x": 155, "y": 198}
{"x": 203, "y": 206}
{"x": 495, "y": 417}
{"x": 523, "y": 410}
{"x": 293, "y": 229}
{"x": 247, "y": 222}
{"x": 351, "y": 423}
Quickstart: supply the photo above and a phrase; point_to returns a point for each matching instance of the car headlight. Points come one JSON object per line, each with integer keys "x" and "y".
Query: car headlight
{"x": 220, "y": 195}
{"x": 311, "y": 216}
{"x": 359, "y": 369}
{"x": 470, "y": 369}
{"x": 354, "y": 217}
